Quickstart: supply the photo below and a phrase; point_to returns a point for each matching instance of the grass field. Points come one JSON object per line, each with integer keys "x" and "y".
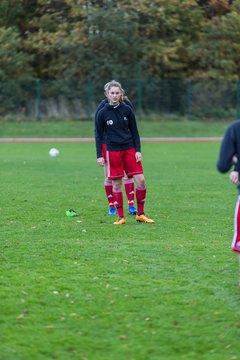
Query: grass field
{"x": 78, "y": 129}
{"x": 83, "y": 289}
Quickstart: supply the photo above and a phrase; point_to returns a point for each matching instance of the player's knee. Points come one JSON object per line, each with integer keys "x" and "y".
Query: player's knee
{"x": 140, "y": 182}
{"x": 117, "y": 185}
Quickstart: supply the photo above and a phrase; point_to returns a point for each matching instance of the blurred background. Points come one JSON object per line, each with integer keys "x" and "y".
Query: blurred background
{"x": 175, "y": 59}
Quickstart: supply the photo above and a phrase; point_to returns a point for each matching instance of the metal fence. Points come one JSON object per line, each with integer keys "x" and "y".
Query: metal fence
{"x": 73, "y": 100}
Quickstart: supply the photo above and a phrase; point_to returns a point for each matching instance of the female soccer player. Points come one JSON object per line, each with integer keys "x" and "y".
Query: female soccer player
{"x": 123, "y": 152}
{"x": 230, "y": 157}
{"x": 128, "y": 182}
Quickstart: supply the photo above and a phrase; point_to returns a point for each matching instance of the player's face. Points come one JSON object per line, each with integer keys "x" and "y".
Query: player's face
{"x": 114, "y": 95}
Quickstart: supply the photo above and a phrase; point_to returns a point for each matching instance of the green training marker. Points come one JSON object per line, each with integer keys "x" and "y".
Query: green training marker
{"x": 71, "y": 213}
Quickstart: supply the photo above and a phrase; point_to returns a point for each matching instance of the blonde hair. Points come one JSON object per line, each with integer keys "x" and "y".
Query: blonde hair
{"x": 112, "y": 83}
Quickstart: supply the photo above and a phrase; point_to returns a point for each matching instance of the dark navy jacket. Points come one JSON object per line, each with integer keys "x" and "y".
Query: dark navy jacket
{"x": 230, "y": 146}
{"x": 119, "y": 125}
{"x": 102, "y": 104}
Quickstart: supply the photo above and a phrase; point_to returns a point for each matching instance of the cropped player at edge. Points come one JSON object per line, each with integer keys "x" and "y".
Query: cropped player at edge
{"x": 123, "y": 152}
{"x": 229, "y": 157}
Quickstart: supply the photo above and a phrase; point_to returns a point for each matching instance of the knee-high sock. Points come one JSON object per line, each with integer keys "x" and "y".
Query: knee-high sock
{"x": 129, "y": 189}
{"x": 140, "y": 196}
{"x": 108, "y": 190}
{"x": 118, "y": 202}
{"x": 236, "y": 237}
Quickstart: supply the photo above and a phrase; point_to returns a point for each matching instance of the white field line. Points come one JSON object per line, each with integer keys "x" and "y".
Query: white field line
{"x": 89, "y": 140}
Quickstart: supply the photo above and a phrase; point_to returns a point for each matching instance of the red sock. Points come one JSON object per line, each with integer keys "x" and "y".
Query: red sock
{"x": 140, "y": 196}
{"x": 118, "y": 202}
{"x": 236, "y": 237}
{"x": 129, "y": 189}
{"x": 108, "y": 190}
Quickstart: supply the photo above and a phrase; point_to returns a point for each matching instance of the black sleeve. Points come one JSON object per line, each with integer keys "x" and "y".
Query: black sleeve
{"x": 100, "y": 106}
{"x": 128, "y": 103}
{"x": 99, "y": 131}
{"x": 134, "y": 130}
{"x": 227, "y": 151}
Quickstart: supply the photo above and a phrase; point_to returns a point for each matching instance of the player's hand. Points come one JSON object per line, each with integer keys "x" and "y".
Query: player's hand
{"x": 101, "y": 161}
{"x": 138, "y": 156}
{"x": 234, "y": 177}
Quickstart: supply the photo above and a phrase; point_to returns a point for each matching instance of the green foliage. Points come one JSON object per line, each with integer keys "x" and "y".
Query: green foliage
{"x": 167, "y": 29}
{"x": 214, "y": 8}
{"x": 219, "y": 47}
{"x": 10, "y": 10}
{"x": 14, "y": 63}
{"x": 78, "y": 39}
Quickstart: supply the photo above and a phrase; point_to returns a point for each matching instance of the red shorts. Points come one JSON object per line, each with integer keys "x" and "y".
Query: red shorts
{"x": 120, "y": 161}
{"x": 104, "y": 149}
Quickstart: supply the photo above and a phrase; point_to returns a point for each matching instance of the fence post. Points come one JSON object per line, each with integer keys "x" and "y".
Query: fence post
{"x": 38, "y": 100}
{"x": 189, "y": 98}
{"x": 89, "y": 98}
{"x": 139, "y": 96}
{"x": 238, "y": 99}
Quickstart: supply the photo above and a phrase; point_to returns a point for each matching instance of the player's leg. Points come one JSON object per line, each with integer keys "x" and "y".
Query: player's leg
{"x": 116, "y": 173}
{"x": 109, "y": 193}
{"x": 118, "y": 201}
{"x": 108, "y": 185}
{"x": 141, "y": 196}
{"x": 134, "y": 168}
{"x": 236, "y": 237}
{"x": 140, "y": 192}
{"x": 129, "y": 189}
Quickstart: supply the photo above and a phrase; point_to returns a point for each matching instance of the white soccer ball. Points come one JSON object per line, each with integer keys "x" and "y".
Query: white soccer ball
{"x": 53, "y": 152}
